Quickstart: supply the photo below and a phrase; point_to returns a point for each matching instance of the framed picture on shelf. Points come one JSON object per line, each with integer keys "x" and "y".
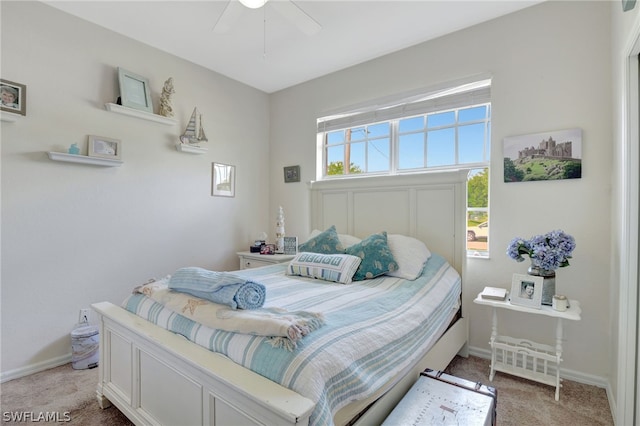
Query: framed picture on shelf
{"x": 134, "y": 91}
{"x": 102, "y": 147}
{"x": 14, "y": 97}
{"x": 526, "y": 290}
{"x": 223, "y": 180}
{"x": 291, "y": 174}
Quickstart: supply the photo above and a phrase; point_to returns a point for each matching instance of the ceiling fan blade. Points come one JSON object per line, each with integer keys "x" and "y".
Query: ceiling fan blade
{"x": 229, "y": 17}
{"x": 295, "y": 14}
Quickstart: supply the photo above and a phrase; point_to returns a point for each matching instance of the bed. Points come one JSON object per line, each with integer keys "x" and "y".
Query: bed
{"x": 155, "y": 375}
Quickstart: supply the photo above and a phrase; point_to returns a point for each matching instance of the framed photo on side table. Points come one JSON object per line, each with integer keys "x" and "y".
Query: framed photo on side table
{"x": 290, "y": 245}
{"x": 526, "y": 290}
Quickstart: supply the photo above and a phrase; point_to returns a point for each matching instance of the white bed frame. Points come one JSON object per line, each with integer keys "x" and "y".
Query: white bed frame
{"x": 157, "y": 377}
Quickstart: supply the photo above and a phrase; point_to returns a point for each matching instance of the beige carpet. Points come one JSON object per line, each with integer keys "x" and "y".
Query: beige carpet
{"x": 520, "y": 402}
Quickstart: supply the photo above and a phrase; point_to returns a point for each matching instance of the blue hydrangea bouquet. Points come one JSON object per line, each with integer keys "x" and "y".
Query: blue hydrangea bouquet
{"x": 547, "y": 252}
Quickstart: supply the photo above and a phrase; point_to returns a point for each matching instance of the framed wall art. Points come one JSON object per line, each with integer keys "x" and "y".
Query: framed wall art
{"x": 223, "y": 180}
{"x": 102, "y": 147}
{"x": 526, "y": 290}
{"x": 291, "y": 174}
{"x": 14, "y": 97}
{"x": 543, "y": 156}
{"x": 134, "y": 91}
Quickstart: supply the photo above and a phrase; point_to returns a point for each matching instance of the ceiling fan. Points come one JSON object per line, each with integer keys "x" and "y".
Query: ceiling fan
{"x": 287, "y": 8}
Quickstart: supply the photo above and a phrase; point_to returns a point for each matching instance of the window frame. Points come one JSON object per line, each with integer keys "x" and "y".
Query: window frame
{"x": 462, "y": 97}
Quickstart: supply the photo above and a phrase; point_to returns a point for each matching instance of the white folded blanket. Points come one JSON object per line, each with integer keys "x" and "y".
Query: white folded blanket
{"x": 285, "y": 328}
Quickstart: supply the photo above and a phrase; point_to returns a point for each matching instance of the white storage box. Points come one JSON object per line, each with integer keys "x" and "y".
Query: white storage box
{"x": 441, "y": 399}
{"x": 85, "y": 342}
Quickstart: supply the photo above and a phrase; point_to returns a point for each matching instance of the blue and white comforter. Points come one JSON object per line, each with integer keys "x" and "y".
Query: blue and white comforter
{"x": 374, "y": 330}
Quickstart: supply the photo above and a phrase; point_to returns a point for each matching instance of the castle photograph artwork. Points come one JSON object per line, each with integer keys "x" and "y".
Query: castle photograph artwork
{"x": 543, "y": 156}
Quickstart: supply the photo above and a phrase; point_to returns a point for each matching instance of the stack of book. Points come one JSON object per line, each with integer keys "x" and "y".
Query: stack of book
{"x": 494, "y": 293}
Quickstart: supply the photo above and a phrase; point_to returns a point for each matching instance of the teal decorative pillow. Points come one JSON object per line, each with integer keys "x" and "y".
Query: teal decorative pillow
{"x": 326, "y": 242}
{"x": 376, "y": 256}
{"x": 329, "y": 267}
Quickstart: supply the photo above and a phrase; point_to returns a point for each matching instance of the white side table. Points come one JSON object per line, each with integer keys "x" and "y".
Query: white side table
{"x": 255, "y": 260}
{"x": 524, "y": 358}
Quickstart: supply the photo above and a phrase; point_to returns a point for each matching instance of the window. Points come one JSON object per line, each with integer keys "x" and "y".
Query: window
{"x": 445, "y": 129}
{"x": 440, "y": 130}
{"x": 478, "y": 213}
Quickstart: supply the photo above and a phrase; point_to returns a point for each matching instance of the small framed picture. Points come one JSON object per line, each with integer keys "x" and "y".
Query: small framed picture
{"x": 290, "y": 245}
{"x": 14, "y": 97}
{"x": 99, "y": 146}
{"x": 223, "y": 180}
{"x": 134, "y": 91}
{"x": 526, "y": 290}
{"x": 268, "y": 249}
{"x": 291, "y": 174}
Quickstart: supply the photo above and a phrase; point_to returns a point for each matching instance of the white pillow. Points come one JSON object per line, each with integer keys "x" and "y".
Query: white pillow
{"x": 410, "y": 255}
{"x": 345, "y": 239}
{"x": 337, "y": 268}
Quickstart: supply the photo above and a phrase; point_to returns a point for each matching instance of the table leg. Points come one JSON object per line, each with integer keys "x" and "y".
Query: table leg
{"x": 558, "y": 355}
{"x": 494, "y": 335}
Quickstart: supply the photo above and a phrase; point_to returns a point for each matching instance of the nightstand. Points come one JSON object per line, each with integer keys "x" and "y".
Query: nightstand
{"x": 255, "y": 260}
{"x": 524, "y": 358}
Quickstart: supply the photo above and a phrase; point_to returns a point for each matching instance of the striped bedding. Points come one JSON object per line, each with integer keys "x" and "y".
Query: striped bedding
{"x": 374, "y": 330}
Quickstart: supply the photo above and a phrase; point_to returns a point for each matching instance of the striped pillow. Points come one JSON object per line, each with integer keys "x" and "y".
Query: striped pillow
{"x": 337, "y": 268}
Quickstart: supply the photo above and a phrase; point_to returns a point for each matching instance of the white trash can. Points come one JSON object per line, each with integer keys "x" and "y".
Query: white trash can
{"x": 84, "y": 347}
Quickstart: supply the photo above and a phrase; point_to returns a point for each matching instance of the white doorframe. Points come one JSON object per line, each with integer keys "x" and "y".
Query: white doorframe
{"x": 628, "y": 397}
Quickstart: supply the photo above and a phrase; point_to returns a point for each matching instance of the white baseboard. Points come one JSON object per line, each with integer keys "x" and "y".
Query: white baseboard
{"x": 5, "y": 376}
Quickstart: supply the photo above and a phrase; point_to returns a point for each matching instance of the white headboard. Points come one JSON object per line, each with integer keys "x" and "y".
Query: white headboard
{"x": 430, "y": 207}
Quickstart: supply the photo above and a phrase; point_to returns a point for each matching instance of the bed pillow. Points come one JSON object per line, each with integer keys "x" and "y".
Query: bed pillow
{"x": 410, "y": 253}
{"x": 346, "y": 239}
{"x": 376, "y": 256}
{"x": 326, "y": 242}
{"x": 337, "y": 268}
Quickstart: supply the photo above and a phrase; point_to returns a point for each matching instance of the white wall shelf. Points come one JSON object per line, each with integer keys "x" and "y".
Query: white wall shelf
{"x": 84, "y": 159}
{"x": 182, "y": 147}
{"x": 119, "y": 109}
{"x": 10, "y": 117}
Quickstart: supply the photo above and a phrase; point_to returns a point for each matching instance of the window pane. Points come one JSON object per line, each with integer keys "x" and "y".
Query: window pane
{"x": 335, "y": 137}
{"x": 378, "y": 155}
{"x": 471, "y": 143}
{"x": 335, "y": 160}
{"x": 378, "y": 130}
{"x": 358, "y": 133}
{"x": 478, "y": 213}
{"x": 358, "y": 162}
{"x": 411, "y": 151}
{"x": 441, "y": 147}
{"x": 441, "y": 119}
{"x": 472, "y": 114}
{"x": 411, "y": 124}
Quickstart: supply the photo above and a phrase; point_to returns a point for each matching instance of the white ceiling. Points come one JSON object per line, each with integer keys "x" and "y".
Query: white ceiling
{"x": 269, "y": 52}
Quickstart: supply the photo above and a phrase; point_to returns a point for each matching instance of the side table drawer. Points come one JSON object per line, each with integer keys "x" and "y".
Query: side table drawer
{"x": 252, "y": 263}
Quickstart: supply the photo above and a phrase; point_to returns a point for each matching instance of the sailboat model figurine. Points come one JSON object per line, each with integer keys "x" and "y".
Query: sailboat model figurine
{"x": 194, "y": 133}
